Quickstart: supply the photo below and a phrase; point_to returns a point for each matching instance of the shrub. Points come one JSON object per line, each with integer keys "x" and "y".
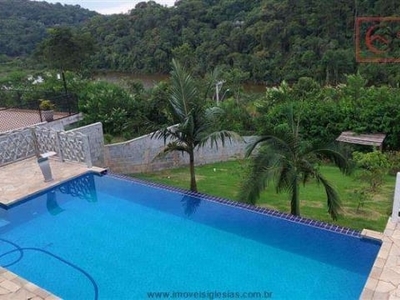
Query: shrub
{"x": 112, "y": 105}
{"x": 394, "y": 161}
{"x": 375, "y": 165}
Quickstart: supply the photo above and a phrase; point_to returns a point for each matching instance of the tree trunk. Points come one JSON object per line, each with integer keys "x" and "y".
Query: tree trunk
{"x": 295, "y": 201}
{"x": 193, "y": 184}
{"x": 64, "y": 82}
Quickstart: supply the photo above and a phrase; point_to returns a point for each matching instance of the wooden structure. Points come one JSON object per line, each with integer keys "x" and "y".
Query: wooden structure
{"x": 373, "y": 139}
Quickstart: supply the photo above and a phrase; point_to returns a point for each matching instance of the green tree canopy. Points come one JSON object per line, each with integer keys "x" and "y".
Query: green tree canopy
{"x": 65, "y": 50}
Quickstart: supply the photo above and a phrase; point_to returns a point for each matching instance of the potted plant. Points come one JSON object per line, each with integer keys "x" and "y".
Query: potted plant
{"x": 47, "y": 109}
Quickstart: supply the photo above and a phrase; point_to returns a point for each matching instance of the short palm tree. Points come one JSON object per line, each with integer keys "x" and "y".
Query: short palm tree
{"x": 196, "y": 121}
{"x": 287, "y": 160}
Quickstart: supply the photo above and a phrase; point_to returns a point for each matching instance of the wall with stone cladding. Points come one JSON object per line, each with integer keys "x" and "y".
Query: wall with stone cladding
{"x": 140, "y": 155}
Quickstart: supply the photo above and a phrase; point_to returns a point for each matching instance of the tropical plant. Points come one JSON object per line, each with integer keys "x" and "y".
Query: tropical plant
{"x": 118, "y": 110}
{"x": 286, "y": 159}
{"x": 196, "y": 121}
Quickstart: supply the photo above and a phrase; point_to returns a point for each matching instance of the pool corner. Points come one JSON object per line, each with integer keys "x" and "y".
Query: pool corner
{"x": 14, "y": 287}
{"x": 384, "y": 279}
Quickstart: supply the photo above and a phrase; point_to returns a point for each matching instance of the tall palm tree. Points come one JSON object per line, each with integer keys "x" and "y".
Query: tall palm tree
{"x": 196, "y": 121}
{"x": 287, "y": 160}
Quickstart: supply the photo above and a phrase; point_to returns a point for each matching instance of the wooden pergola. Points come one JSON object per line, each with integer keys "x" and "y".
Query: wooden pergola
{"x": 372, "y": 139}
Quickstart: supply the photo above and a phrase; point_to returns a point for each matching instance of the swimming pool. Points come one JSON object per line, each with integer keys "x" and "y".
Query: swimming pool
{"x": 109, "y": 237}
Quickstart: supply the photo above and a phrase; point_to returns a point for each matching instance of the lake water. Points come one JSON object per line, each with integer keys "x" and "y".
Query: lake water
{"x": 150, "y": 80}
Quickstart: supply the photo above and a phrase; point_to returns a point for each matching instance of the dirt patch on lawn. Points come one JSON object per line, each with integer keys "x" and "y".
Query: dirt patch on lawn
{"x": 361, "y": 213}
{"x": 311, "y": 204}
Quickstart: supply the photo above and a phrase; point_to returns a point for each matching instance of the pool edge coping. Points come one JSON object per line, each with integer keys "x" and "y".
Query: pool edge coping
{"x": 16, "y": 287}
{"x": 383, "y": 281}
{"x": 52, "y": 184}
{"x": 254, "y": 208}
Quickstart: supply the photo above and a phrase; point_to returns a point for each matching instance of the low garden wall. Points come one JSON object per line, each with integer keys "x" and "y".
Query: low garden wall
{"x": 140, "y": 155}
{"x": 86, "y": 144}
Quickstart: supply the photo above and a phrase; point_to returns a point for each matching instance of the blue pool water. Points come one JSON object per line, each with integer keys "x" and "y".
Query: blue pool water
{"x": 112, "y": 238}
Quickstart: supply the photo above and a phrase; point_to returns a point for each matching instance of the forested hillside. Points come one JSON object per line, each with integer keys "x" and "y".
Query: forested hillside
{"x": 273, "y": 40}
{"x": 270, "y": 40}
{"x": 23, "y": 23}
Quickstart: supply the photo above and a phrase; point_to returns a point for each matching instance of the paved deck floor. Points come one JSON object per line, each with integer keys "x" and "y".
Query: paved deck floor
{"x": 24, "y": 178}
{"x": 384, "y": 278}
{"x": 11, "y": 119}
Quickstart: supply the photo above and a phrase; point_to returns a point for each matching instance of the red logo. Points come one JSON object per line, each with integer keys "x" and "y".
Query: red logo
{"x": 378, "y": 39}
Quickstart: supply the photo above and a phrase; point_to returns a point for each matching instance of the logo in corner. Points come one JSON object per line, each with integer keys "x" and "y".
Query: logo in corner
{"x": 378, "y": 39}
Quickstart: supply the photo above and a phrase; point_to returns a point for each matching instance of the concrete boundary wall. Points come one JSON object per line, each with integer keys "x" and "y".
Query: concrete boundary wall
{"x": 140, "y": 155}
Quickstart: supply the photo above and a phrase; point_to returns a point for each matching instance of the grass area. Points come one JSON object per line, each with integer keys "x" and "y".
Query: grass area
{"x": 223, "y": 180}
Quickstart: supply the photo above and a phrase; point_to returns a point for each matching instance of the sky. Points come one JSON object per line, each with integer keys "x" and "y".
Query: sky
{"x": 107, "y": 7}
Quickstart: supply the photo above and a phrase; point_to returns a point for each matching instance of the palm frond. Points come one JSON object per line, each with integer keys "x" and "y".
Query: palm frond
{"x": 171, "y": 147}
{"x": 166, "y": 133}
{"x": 307, "y": 170}
{"x": 264, "y": 168}
{"x": 270, "y": 141}
{"x": 255, "y": 183}
{"x": 333, "y": 199}
{"x": 285, "y": 178}
{"x": 213, "y": 113}
{"x": 219, "y": 136}
{"x": 183, "y": 91}
{"x": 334, "y": 154}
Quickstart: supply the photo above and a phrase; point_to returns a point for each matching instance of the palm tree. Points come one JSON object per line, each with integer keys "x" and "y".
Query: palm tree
{"x": 196, "y": 122}
{"x": 287, "y": 160}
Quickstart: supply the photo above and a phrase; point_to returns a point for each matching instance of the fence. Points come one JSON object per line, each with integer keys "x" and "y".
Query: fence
{"x": 16, "y": 111}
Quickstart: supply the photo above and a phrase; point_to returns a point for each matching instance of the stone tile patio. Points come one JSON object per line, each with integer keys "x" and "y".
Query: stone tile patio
{"x": 13, "y": 287}
{"x": 384, "y": 278}
{"x": 24, "y": 178}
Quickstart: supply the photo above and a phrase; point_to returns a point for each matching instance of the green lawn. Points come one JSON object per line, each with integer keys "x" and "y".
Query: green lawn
{"x": 223, "y": 180}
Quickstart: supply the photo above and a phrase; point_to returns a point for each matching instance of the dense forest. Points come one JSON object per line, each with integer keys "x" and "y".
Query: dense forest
{"x": 23, "y": 23}
{"x": 268, "y": 40}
